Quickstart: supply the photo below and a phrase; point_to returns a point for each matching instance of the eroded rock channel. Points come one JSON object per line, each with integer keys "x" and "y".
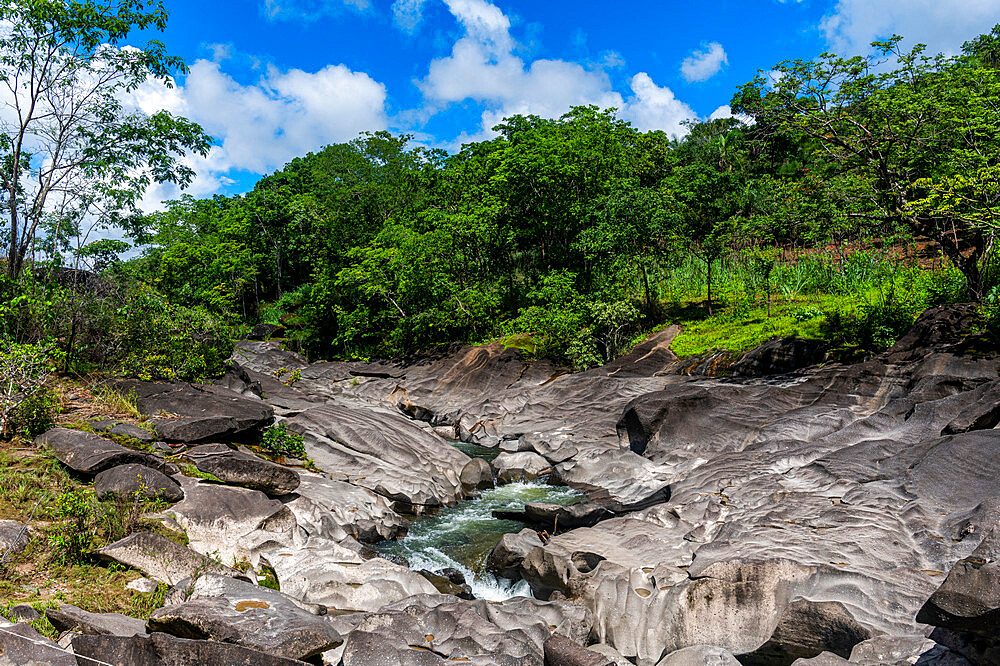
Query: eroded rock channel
{"x": 826, "y": 515}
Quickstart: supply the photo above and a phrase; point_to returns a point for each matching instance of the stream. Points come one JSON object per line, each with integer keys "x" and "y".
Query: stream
{"x": 462, "y": 536}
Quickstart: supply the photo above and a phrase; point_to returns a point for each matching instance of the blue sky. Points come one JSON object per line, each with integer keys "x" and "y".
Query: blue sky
{"x": 274, "y": 79}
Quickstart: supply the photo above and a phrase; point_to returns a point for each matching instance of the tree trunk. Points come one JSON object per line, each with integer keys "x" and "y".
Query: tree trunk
{"x": 709, "y": 287}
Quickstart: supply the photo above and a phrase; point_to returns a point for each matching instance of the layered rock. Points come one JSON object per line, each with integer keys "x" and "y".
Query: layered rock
{"x": 163, "y": 560}
{"x": 240, "y": 468}
{"x": 383, "y": 452}
{"x": 90, "y": 454}
{"x": 133, "y": 480}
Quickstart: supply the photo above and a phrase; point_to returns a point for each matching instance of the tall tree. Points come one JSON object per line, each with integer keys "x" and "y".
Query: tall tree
{"x": 904, "y": 133}
{"x": 71, "y": 151}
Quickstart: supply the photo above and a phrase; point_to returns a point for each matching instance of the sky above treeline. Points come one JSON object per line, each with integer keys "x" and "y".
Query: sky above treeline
{"x": 271, "y": 80}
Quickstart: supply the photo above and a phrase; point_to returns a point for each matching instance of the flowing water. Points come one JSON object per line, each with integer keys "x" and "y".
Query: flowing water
{"x": 462, "y": 536}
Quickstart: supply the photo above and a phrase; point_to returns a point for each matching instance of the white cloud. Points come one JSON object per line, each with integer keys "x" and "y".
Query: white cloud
{"x": 726, "y": 111}
{"x": 261, "y": 126}
{"x": 703, "y": 65}
{"x": 654, "y": 108}
{"x": 308, "y": 10}
{"x": 941, "y": 24}
{"x": 408, "y": 14}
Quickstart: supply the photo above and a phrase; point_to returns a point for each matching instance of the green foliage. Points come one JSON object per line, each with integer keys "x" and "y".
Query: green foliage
{"x": 34, "y": 415}
{"x": 76, "y": 511}
{"x": 279, "y": 441}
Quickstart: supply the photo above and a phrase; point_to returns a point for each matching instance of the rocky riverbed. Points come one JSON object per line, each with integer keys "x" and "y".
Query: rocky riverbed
{"x": 785, "y": 514}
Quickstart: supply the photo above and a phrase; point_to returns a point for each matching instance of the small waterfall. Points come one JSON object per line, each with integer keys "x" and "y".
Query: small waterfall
{"x": 461, "y": 537}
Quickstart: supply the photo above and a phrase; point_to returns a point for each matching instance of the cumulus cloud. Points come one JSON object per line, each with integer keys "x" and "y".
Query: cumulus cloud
{"x": 703, "y": 65}
{"x": 484, "y": 67}
{"x": 652, "y": 107}
{"x": 941, "y": 24}
{"x": 260, "y": 126}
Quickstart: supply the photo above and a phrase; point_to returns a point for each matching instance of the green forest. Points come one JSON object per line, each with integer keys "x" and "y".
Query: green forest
{"x": 846, "y": 195}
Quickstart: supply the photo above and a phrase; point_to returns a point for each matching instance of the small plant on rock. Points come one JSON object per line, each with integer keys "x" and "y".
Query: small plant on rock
{"x": 280, "y": 441}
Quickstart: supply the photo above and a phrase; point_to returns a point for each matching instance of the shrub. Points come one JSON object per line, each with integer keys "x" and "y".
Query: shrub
{"x": 75, "y": 509}
{"x": 35, "y": 414}
{"x": 280, "y": 441}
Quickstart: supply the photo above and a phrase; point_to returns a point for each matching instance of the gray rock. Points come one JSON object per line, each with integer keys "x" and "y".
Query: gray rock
{"x": 143, "y": 585}
{"x": 778, "y": 356}
{"x": 700, "y": 655}
{"x": 230, "y": 611}
{"x": 335, "y": 510}
{"x": 161, "y": 559}
{"x": 77, "y": 620}
{"x": 807, "y": 628}
{"x": 23, "y": 613}
{"x": 556, "y": 517}
{"x": 265, "y": 331}
{"x": 613, "y": 656}
{"x": 476, "y": 475}
{"x": 131, "y": 479}
{"x": 123, "y": 429}
{"x": 160, "y": 649}
{"x": 444, "y": 630}
{"x": 383, "y": 452}
{"x": 506, "y": 557}
{"x": 561, "y": 651}
{"x": 524, "y": 466}
{"x": 327, "y": 573}
{"x": 239, "y": 468}
{"x": 14, "y": 537}
{"x": 200, "y": 412}
{"x": 21, "y": 645}
{"x": 619, "y": 479}
{"x": 91, "y": 454}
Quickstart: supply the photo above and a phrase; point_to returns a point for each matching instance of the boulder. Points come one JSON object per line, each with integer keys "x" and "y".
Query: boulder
{"x": 200, "y": 412}
{"x": 555, "y": 517}
{"x": 90, "y": 454}
{"x": 327, "y": 573}
{"x": 447, "y": 585}
{"x": 77, "y": 620}
{"x": 265, "y": 332}
{"x": 332, "y": 509}
{"x": 561, "y": 651}
{"x": 160, "y": 649}
{"x": 143, "y": 585}
{"x": 123, "y": 429}
{"x": 231, "y": 523}
{"x": 163, "y": 560}
{"x": 524, "y": 466}
{"x": 701, "y": 655}
{"x": 476, "y": 475}
{"x": 779, "y": 356}
{"x": 506, "y": 557}
{"x": 384, "y": 452}
{"x": 619, "y": 479}
{"x": 438, "y": 629}
{"x": 240, "y": 468}
{"x": 21, "y": 645}
{"x": 23, "y": 613}
{"x": 806, "y": 629}
{"x": 14, "y": 537}
{"x": 134, "y": 479}
{"x": 231, "y": 611}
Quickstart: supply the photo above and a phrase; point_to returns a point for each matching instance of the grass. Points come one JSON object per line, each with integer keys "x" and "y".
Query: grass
{"x": 741, "y": 332}
{"x": 37, "y": 576}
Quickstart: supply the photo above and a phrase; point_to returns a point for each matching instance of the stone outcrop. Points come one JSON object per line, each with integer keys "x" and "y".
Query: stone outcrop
{"x": 227, "y": 610}
{"x": 163, "y": 560}
{"x": 134, "y": 479}
{"x": 524, "y": 466}
{"x": 240, "y": 468}
{"x": 159, "y": 649}
{"x": 14, "y": 537}
{"x": 71, "y": 618}
{"x": 383, "y": 452}
{"x": 198, "y": 412}
{"x": 90, "y": 454}
{"x": 332, "y": 509}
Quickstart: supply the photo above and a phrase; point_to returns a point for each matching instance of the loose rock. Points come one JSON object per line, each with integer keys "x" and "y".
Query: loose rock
{"x": 239, "y": 468}
{"x": 163, "y": 560}
{"x": 134, "y": 479}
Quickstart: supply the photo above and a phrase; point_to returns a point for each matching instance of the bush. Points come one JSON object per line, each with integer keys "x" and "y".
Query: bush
{"x": 75, "y": 509}
{"x": 280, "y": 441}
{"x": 34, "y": 415}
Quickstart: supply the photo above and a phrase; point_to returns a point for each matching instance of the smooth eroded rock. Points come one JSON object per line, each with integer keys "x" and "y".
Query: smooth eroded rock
{"x": 91, "y": 454}
{"x": 71, "y": 618}
{"x": 239, "y": 468}
{"x": 134, "y": 479}
{"x": 163, "y": 560}
{"x": 159, "y": 649}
